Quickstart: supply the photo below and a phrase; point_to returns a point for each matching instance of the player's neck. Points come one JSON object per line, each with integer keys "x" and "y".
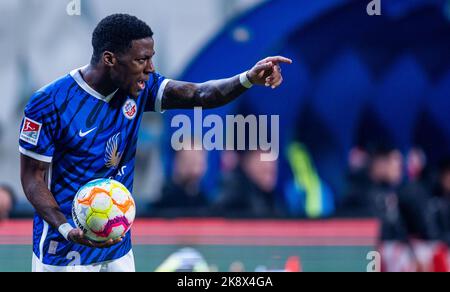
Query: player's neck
{"x": 97, "y": 79}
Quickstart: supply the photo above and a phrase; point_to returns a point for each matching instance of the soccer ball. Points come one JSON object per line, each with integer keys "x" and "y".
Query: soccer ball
{"x": 103, "y": 209}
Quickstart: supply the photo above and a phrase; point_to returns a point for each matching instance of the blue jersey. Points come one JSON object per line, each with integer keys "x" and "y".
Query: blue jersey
{"x": 85, "y": 136}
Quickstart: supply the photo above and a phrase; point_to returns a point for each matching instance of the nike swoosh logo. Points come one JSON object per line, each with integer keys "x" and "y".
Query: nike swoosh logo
{"x": 84, "y": 134}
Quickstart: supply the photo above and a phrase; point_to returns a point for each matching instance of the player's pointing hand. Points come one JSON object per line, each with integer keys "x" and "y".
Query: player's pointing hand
{"x": 268, "y": 71}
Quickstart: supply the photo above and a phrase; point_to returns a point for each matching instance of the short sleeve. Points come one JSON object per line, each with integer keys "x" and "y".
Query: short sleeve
{"x": 156, "y": 86}
{"x": 37, "y": 130}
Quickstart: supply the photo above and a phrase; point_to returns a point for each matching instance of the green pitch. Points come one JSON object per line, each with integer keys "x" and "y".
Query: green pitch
{"x": 17, "y": 258}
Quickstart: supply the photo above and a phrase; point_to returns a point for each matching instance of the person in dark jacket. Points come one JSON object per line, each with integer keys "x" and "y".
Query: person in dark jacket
{"x": 378, "y": 194}
{"x": 182, "y": 194}
{"x": 249, "y": 191}
{"x": 439, "y": 208}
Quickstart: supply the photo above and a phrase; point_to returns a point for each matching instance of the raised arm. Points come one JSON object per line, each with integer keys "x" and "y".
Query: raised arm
{"x": 216, "y": 93}
{"x": 33, "y": 174}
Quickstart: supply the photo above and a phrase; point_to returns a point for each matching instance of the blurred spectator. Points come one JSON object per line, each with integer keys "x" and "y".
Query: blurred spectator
{"x": 316, "y": 147}
{"x": 439, "y": 209}
{"x": 423, "y": 255}
{"x": 358, "y": 161}
{"x": 415, "y": 194}
{"x": 378, "y": 195}
{"x": 7, "y": 202}
{"x": 249, "y": 191}
{"x": 307, "y": 195}
{"x": 416, "y": 162}
{"x": 357, "y": 182}
{"x": 182, "y": 194}
{"x": 370, "y": 134}
{"x": 313, "y": 166}
{"x": 229, "y": 161}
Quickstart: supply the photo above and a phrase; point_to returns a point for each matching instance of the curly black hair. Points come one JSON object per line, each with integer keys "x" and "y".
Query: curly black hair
{"x": 115, "y": 34}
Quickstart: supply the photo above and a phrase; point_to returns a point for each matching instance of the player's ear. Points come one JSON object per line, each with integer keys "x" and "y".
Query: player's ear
{"x": 109, "y": 59}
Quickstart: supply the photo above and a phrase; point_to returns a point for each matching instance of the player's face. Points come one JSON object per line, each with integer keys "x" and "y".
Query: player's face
{"x": 132, "y": 69}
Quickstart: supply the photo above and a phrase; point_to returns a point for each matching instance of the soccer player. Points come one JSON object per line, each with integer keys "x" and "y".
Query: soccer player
{"x": 84, "y": 126}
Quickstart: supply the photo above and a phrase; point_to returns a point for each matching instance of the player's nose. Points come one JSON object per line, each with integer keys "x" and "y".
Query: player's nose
{"x": 149, "y": 68}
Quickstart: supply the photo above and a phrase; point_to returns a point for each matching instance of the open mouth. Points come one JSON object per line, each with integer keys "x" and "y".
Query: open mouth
{"x": 141, "y": 84}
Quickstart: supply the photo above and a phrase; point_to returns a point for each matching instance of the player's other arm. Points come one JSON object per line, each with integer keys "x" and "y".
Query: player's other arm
{"x": 216, "y": 93}
{"x": 33, "y": 175}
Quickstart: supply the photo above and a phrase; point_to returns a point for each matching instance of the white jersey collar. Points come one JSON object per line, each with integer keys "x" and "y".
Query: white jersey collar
{"x": 79, "y": 79}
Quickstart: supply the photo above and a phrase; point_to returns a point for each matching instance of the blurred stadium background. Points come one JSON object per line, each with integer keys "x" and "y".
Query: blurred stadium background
{"x": 364, "y": 132}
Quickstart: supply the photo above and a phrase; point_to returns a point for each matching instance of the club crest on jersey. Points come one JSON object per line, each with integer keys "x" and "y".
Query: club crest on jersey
{"x": 130, "y": 109}
{"x": 30, "y": 131}
{"x": 112, "y": 155}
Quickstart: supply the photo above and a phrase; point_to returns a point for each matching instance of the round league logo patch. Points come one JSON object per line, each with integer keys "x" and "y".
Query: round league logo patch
{"x": 130, "y": 109}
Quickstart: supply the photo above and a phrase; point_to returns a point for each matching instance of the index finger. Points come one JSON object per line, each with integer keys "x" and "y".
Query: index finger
{"x": 278, "y": 59}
